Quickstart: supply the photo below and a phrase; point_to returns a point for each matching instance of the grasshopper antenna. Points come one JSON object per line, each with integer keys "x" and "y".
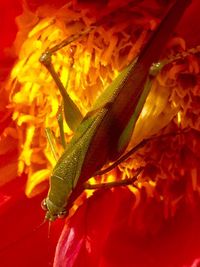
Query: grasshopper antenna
{"x": 49, "y": 229}
{"x": 40, "y": 225}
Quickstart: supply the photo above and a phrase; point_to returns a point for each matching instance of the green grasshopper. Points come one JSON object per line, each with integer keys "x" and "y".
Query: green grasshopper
{"x": 104, "y": 133}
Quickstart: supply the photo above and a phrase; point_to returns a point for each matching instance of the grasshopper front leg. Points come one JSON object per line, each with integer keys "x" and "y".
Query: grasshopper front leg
{"x": 72, "y": 113}
{"x": 61, "y": 126}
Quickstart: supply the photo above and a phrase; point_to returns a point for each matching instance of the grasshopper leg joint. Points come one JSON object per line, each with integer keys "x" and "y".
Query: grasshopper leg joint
{"x": 45, "y": 58}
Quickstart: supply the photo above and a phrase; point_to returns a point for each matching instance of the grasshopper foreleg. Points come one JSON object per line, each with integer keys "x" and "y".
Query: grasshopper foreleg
{"x": 73, "y": 115}
{"x": 61, "y": 126}
{"x": 51, "y": 143}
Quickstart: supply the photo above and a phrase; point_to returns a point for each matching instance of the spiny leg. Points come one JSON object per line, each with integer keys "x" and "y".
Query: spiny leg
{"x": 87, "y": 30}
{"x": 183, "y": 54}
{"x": 70, "y": 39}
{"x": 122, "y": 158}
{"x": 156, "y": 67}
{"x": 127, "y": 181}
{"x": 124, "y": 182}
{"x": 136, "y": 148}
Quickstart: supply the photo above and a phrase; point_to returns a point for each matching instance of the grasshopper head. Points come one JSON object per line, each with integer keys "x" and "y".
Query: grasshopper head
{"x": 52, "y": 211}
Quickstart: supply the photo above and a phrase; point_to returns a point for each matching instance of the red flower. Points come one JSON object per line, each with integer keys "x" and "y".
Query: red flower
{"x": 113, "y": 227}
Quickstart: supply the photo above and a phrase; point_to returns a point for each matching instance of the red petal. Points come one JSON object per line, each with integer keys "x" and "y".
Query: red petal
{"x": 23, "y": 241}
{"x": 77, "y": 242}
{"x": 34, "y": 4}
{"x": 8, "y": 12}
{"x": 189, "y": 26}
{"x": 107, "y": 232}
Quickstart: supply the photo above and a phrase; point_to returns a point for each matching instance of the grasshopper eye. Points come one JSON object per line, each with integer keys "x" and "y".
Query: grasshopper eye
{"x": 44, "y": 205}
{"x": 62, "y": 214}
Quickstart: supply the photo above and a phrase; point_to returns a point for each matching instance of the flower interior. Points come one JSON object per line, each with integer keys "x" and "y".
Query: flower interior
{"x": 170, "y": 170}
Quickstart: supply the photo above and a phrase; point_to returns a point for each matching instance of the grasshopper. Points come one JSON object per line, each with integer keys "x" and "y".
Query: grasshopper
{"x": 104, "y": 133}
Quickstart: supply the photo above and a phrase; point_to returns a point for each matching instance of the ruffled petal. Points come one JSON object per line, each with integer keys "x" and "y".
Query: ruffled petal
{"x": 108, "y": 231}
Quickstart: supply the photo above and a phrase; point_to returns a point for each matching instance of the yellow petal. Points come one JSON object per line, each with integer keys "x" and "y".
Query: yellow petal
{"x": 34, "y": 180}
